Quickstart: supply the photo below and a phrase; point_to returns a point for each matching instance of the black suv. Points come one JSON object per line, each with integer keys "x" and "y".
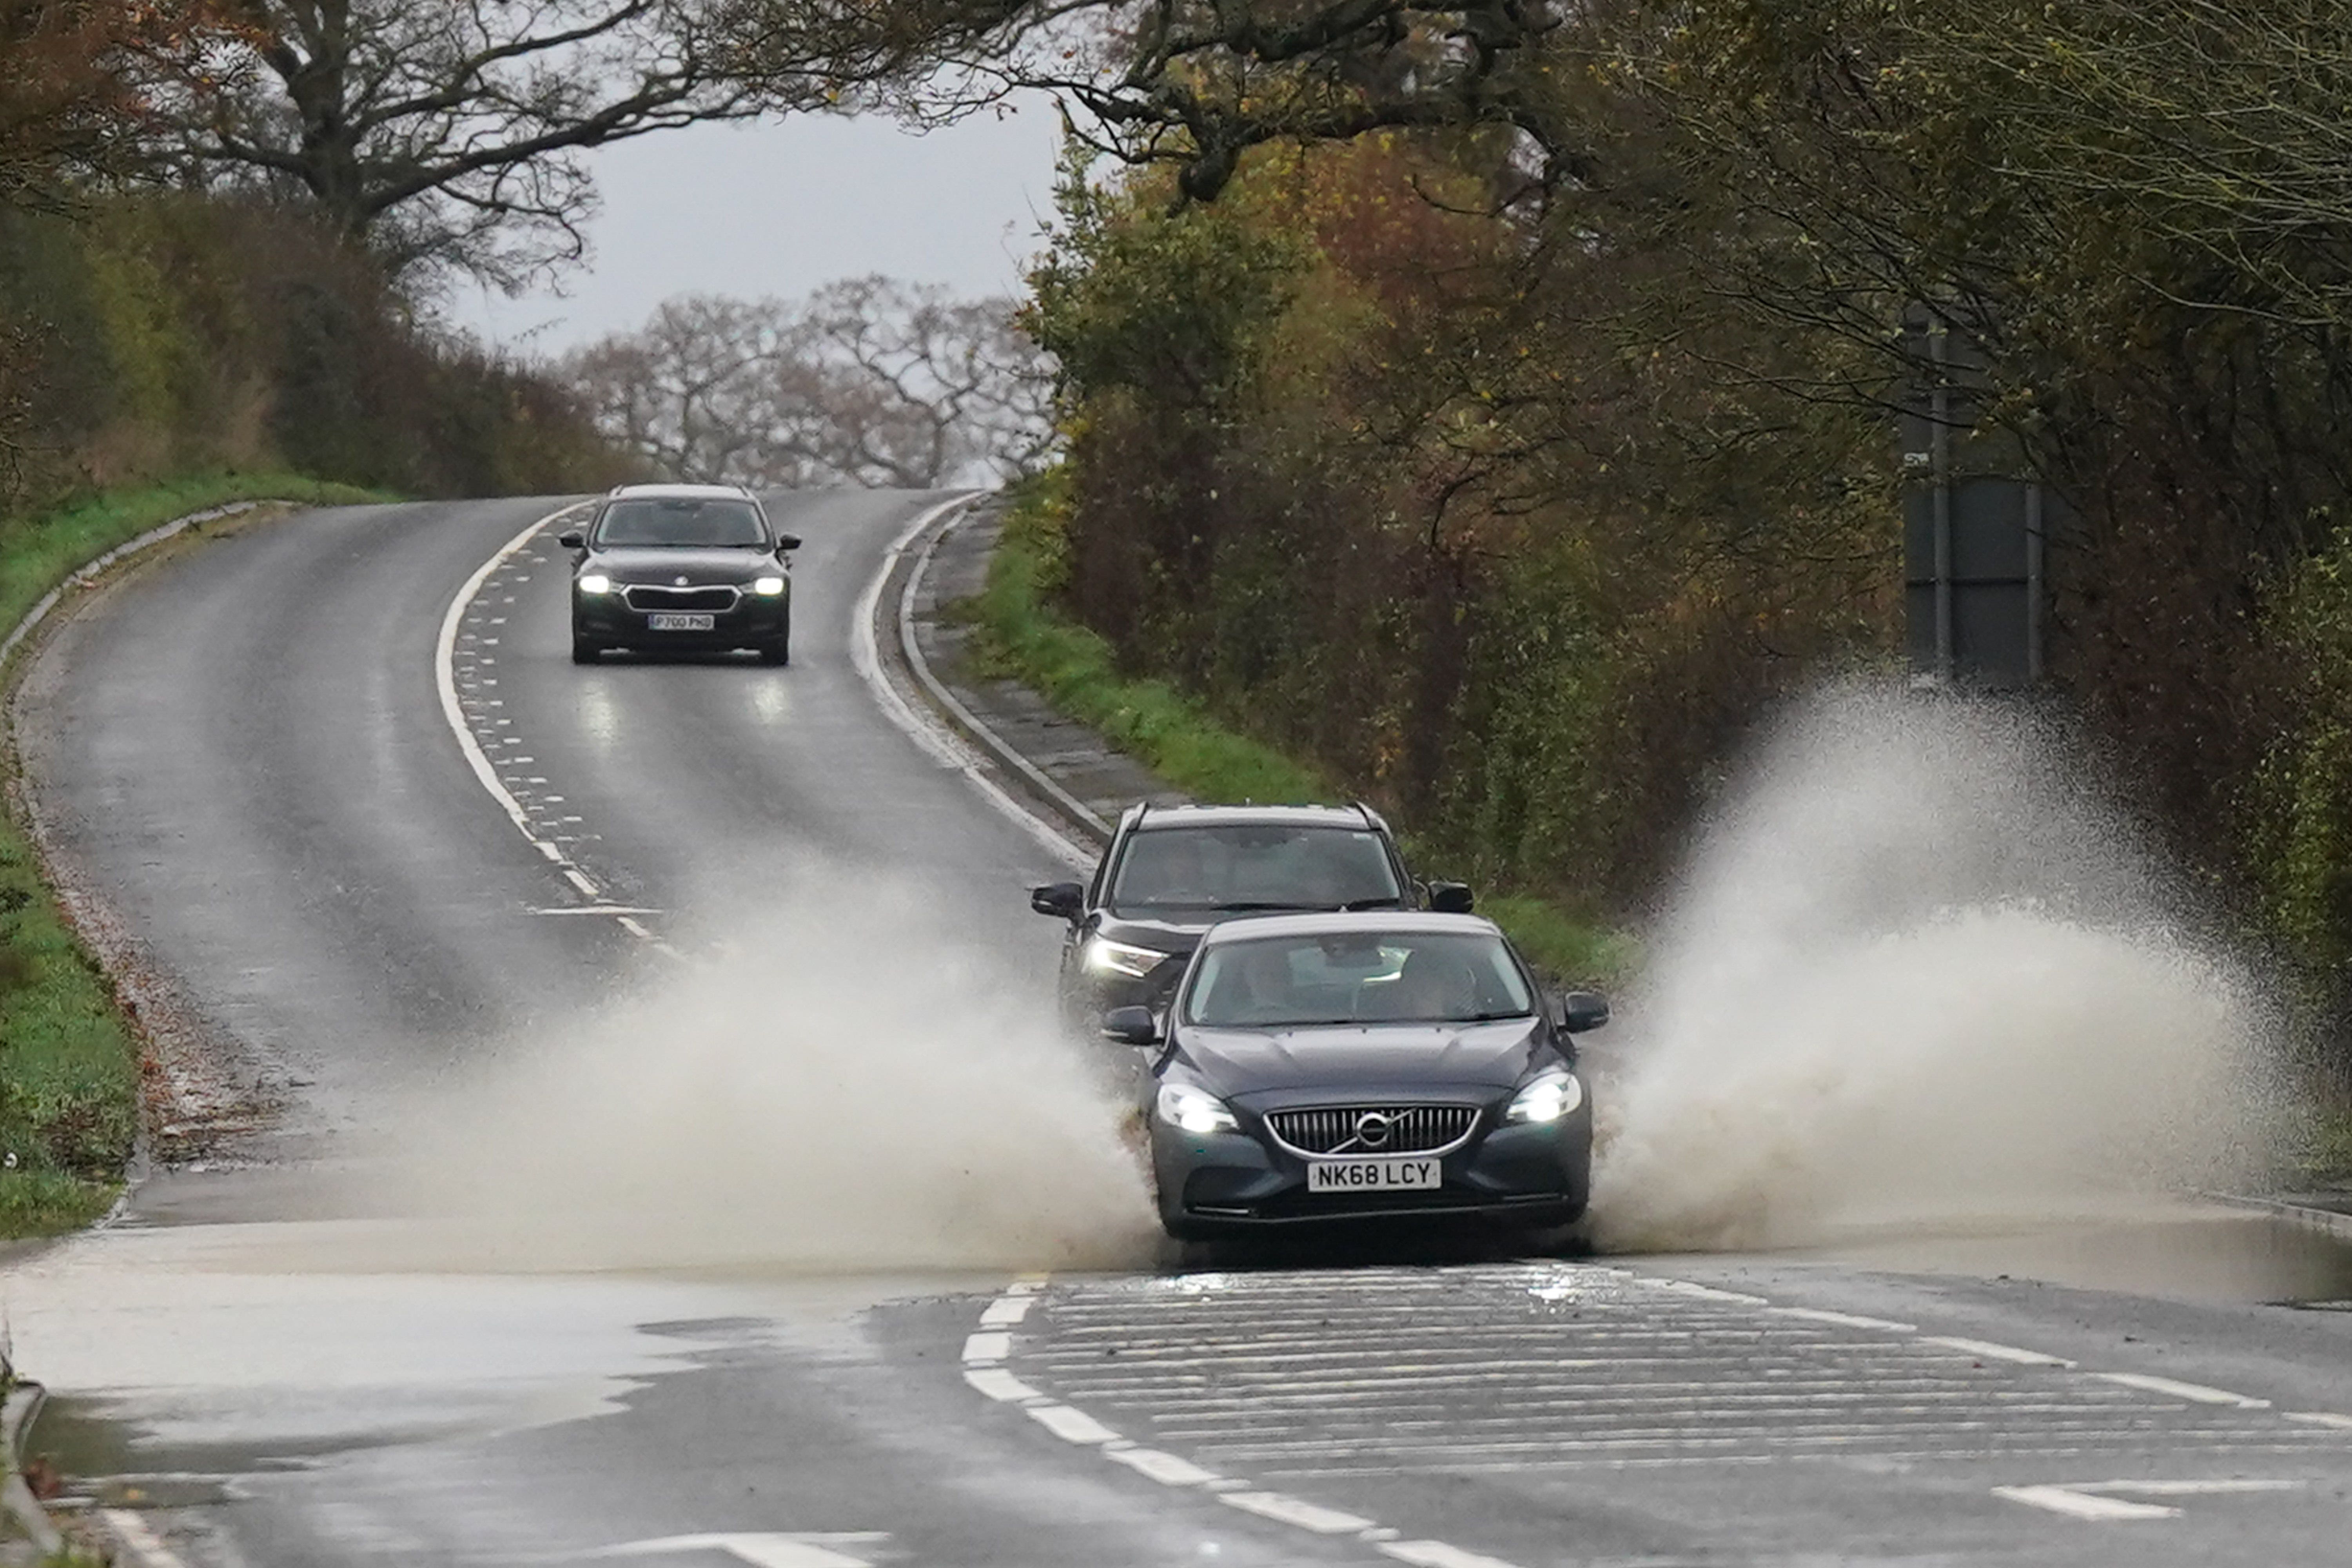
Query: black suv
{"x": 1172, "y": 873}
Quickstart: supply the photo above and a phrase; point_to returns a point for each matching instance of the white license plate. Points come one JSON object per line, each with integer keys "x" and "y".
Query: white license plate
{"x": 676, "y": 623}
{"x": 1371, "y": 1176}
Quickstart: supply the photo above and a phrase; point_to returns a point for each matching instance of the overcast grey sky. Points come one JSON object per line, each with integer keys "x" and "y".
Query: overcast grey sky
{"x": 779, "y": 208}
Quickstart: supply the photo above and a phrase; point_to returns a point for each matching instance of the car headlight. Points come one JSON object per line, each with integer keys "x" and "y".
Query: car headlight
{"x": 1194, "y": 1111}
{"x": 595, "y": 583}
{"x": 1104, "y": 956}
{"x": 768, "y": 587}
{"x": 1547, "y": 1098}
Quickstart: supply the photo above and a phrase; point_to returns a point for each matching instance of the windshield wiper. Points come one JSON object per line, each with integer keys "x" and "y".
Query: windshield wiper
{"x": 1385, "y": 902}
{"x": 1492, "y": 1018}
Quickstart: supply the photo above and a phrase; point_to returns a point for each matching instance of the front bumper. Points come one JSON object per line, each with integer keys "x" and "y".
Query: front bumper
{"x": 1529, "y": 1177}
{"x": 756, "y": 621}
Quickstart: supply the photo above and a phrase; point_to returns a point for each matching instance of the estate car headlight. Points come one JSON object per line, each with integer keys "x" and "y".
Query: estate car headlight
{"x": 595, "y": 582}
{"x": 1104, "y": 956}
{"x": 1193, "y": 1109}
{"x": 768, "y": 587}
{"x": 1553, "y": 1094}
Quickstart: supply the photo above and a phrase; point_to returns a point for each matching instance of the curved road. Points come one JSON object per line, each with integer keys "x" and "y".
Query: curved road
{"x": 243, "y": 750}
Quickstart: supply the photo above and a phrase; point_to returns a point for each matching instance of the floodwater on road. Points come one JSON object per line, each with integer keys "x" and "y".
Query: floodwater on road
{"x": 2207, "y": 1253}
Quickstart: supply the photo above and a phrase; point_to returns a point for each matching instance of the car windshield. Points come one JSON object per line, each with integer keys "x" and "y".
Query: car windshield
{"x": 707, "y": 520}
{"x": 1358, "y": 977}
{"x": 1235, "y": 866}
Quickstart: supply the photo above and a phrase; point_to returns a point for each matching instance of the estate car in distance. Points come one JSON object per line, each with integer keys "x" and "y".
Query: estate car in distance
{"x": 1172, "y": 873}
{"x": 685, "y": 568}
{"x": 1374, "y": 1065}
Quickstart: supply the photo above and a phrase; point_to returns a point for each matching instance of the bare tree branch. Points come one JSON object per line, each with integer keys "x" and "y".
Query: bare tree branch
{"x": 867, "y": 381}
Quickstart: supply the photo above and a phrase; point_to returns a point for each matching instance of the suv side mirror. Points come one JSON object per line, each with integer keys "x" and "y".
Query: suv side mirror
{"x": 1581, "y": 1012}
{"x": 787, "y": 542}
{"x": 1063, "y": 900}
{"x": 1130, "y": 1027}
{"x": 1450, "y": 898}
{"x": 572, "y": 539}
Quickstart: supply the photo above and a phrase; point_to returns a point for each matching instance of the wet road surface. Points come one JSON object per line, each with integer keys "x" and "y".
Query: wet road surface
{"x": 244, "y": 750}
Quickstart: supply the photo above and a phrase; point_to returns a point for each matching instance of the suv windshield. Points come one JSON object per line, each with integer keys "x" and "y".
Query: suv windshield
{"x": 1252, "y": 867}
{"x": 1368, "y": 977}
{"x": 681, "y": 520}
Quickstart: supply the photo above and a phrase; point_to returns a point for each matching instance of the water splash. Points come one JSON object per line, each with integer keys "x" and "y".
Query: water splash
{"x": 1919, "y": 976}
{"x": 859, "y": 1088}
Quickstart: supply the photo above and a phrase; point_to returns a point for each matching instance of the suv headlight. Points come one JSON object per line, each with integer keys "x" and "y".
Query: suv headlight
{"x": 1193, "y": 1109}
{"x": 595, "y": 582}
{"x": 1553, "y": 1094}
{"x": 1104, "y": 956}
{"x": 768, "y": 587}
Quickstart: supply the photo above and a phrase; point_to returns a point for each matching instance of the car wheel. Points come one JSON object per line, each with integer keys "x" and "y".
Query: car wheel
{"x": 777, "y": 652}
{"x": 584, "y": 651}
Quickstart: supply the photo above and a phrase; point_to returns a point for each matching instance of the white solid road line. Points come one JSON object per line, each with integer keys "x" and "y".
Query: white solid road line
{"x": 806, "y": 1549}
{"x": 2195, "y": 1393}
{"x": 444, "y": 676}
{"x": 940, "y": 744}
{"x": 1989, "y": 1351}
{"x": 1845, "y": 1320}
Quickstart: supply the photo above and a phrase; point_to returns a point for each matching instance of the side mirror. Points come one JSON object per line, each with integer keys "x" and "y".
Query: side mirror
{"x": 1130, "y": 1027}
{"x": 1063, "y": 900}
{"x": 1450, "y": 898}
{"x": 572, "y": 539}
{"x": 787, "y": 542}
{"x": 1581, "y": 1012}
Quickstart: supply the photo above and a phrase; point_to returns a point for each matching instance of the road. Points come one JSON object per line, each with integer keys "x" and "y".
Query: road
{"x": 660, "y": 1162}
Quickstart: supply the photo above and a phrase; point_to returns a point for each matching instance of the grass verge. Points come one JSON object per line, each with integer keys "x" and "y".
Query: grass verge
{"x": 69, "y": 1058}
{"x": 1021, "y": 636}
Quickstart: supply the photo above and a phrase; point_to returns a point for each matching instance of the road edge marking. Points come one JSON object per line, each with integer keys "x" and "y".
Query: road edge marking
{"x": 936, "y": 739}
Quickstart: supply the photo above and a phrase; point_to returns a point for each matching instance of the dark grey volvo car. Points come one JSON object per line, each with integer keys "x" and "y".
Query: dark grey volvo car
{"x": 1363, "y": 1066}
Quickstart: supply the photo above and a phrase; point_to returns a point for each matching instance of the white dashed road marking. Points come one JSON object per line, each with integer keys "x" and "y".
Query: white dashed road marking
{"x": 2097, "y": 1502}
{"x": 1990, "y": 1351}
{"x": 811, "y": 1550}
{"x": 462, "y": 691}
{"x": 984, "y": 1353}
{"x": 2197, "y": 1392}
{"x": 1560, "y": 1366}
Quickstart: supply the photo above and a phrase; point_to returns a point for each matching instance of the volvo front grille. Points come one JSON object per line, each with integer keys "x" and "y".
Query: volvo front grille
{"x": 1373, "y": 1129}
